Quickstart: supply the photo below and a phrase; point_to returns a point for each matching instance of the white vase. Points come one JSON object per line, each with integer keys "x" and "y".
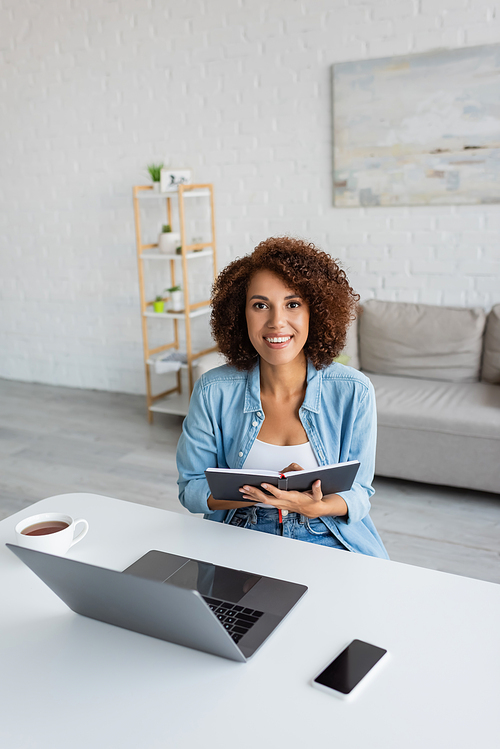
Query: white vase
{"x": 156, "y": 187}
{"x": 169, "y": 241}
{"x": 176, "y": 301}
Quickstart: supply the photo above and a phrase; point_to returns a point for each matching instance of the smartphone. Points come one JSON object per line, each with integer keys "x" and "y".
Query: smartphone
{"x": 343, "y": 675}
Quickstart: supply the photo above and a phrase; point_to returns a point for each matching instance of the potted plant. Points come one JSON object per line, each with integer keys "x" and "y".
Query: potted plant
{"x": 159, "y": 304}
{"x": 168, "y": 239}
{"x": 155, "y": 173}
{"x": 177, "y": 299}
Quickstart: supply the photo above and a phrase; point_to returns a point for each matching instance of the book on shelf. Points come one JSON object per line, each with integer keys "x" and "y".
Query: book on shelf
{"x": 170, "y": 362}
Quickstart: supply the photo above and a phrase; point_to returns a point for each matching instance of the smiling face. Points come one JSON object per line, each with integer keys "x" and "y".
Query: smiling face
{"x": 277, "y": 319}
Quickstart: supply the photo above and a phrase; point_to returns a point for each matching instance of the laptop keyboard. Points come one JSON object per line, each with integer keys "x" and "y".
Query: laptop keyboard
{"x": 236, "y": 619}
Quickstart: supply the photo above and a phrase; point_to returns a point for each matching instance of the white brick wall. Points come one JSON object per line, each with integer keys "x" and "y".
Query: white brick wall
{"x": 238, "y": 90}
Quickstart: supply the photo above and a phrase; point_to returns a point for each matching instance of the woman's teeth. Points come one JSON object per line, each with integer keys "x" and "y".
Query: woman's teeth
{"x": 279, "y": 340}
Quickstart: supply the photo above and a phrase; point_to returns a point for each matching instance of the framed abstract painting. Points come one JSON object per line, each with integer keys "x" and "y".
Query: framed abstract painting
{"x": 418, "y": 129}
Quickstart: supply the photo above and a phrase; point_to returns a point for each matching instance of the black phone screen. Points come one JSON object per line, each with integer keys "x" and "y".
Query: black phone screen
{"x": 348, "y": 668}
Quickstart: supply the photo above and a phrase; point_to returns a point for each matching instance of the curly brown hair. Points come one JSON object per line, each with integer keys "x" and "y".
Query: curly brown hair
{"x": 307, "y": 271}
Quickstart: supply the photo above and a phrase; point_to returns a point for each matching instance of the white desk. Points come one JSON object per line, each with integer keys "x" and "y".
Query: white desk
{"x": 67, "y": 681}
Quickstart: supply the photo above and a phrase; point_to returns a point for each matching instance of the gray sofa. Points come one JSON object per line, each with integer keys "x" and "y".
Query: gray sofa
{"x": 436, "y": 373}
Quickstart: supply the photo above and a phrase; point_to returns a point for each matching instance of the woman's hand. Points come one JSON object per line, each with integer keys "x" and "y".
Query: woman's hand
{"x": 312, "y": 504}
{"x": 225, "y": 504}
{"x": 292, "y": 467}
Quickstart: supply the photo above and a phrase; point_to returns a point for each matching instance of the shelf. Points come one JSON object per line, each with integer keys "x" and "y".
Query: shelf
{"x": 174, "y": 256}
{"x": 151, "y": 194}
{"x": 178, "y": 315}
{"x": 154, "y": 357}
{"x": 178, "y": 274}
{"x": 199, "y": 358}
{"x": 177, "y": 403}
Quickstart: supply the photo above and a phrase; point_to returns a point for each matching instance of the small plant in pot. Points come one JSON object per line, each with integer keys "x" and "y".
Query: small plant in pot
{"x": 155, "y": 172}
{"x": 159, "y": 304}
{"x": 177, "y": 300}
{"x": 197, "y": 240}
{"x": 168, "y": 239}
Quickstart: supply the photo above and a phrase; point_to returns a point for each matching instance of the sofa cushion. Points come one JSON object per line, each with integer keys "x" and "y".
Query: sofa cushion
{"x": 491, "y": 355}
{"x": 350, "y": 351}
{"x": 461, "y": 408}
{"x": 438, "y": 432}
{"x": 207, "y": 362}
{"x": 420, "y": 340}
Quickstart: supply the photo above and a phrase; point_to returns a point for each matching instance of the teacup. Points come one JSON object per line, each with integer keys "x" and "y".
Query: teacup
{"x": 53, "y": 532}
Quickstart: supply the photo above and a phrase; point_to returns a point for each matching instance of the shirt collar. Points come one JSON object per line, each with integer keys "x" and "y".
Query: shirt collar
{"x": 311, "y": 400}
{"x": 252, "y": 391}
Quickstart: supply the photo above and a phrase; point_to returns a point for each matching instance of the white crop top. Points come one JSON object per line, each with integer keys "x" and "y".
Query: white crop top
{"x": 266, "y": 457}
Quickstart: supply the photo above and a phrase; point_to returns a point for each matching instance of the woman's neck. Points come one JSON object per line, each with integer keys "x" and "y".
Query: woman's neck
{"x": 284, "y": 381}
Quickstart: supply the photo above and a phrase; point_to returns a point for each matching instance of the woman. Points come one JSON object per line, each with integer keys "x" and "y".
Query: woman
{"x": 280, "y": 317}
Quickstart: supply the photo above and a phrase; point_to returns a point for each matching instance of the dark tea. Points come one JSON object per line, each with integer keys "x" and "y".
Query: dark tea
{"x": 45, "y": 528}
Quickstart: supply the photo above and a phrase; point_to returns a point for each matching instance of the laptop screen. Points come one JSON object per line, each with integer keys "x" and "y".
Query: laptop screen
{"x": 211, "y": 580}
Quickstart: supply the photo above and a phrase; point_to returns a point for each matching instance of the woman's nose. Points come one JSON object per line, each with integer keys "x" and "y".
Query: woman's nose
{"x": 276, "y": 318}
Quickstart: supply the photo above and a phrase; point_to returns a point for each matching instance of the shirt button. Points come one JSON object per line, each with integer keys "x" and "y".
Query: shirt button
{"x": 240, "y": 455}
{"x": 255, "y": 423}
{"x": 259, "y": 413}
{"x": 284, "y": 513}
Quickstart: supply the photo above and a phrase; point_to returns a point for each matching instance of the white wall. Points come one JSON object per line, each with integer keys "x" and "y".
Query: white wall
{"x": 239, "y": 90}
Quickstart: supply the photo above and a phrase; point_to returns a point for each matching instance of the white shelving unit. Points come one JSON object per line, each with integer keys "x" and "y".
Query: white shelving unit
{"x": 175, "y": 400}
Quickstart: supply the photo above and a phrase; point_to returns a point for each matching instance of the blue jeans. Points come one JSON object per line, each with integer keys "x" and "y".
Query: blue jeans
{"x": 266, "y": 520}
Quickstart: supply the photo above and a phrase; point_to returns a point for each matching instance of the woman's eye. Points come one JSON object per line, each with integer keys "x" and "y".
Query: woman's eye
{"x": 294, "y": 305}
{"x": 259, "y": 305}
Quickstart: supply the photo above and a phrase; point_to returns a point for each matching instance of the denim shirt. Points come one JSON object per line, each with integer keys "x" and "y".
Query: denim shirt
{"x": 338, "y": 415}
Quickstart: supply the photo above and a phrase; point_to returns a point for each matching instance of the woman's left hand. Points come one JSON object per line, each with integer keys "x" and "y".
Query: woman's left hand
{"x": 312, "y": 504}
{"x": 309, "y": 504}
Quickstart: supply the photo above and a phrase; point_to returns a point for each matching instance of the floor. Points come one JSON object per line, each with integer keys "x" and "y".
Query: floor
{"x": 55, "y": 440}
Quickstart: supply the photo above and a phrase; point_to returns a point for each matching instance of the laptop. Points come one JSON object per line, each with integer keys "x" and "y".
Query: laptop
{"x": 218, "y": 610}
